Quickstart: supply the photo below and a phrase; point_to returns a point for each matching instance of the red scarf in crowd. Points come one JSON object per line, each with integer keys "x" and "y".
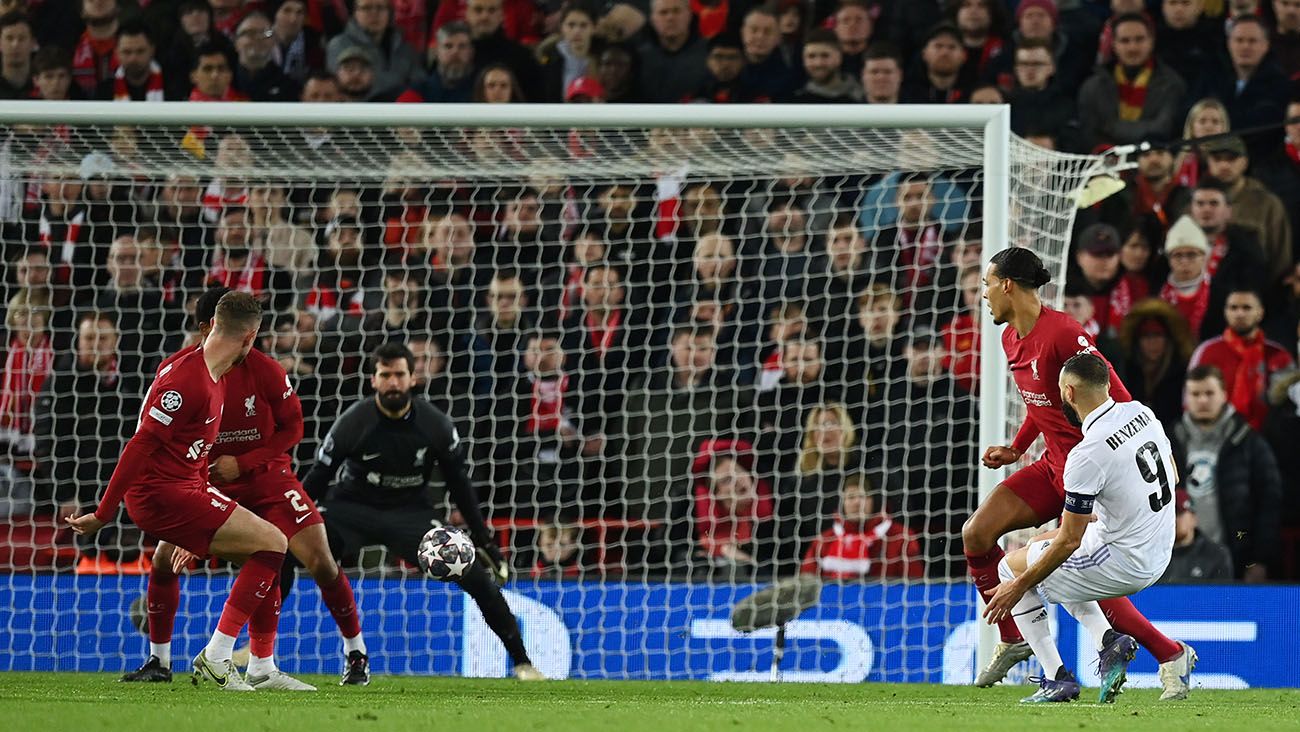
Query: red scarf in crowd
{"x": 548, "y": 404}
{"x": 153, "y": 88}
{"x": 1249, "y": 381}
{"x": 249, "y": 277}
{"x": 1292, "y": 152}
{"x": 602, "y": 333}
{"x": 1192, "y": 306}
{"x": 918, "y": 250}
{"x": 993, "y": 47}
{"x": 1133, "y": 92}
{"x": 1218, "y": 250}
{"x": 26, "y": 367}
{"x": 1151, "y": 201}
{"x": 712, "y": 18}
{"x": 93, "y": 61}
{"x": 1130, "y": 288}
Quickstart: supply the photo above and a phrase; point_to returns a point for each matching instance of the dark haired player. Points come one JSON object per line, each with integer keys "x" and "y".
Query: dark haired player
{"x": 388, "y": 446}
{"x": 260, "y": 422}
{"x": 1037, "y": 342}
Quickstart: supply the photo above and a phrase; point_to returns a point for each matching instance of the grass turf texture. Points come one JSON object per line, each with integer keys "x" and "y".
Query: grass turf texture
{"x": 45, "y": 702}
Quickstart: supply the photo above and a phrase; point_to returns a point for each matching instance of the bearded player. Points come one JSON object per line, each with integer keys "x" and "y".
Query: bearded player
{"x": 260, "y": 423}
{"x": 1037, "y": 342}
{"x": 162, "y": 477}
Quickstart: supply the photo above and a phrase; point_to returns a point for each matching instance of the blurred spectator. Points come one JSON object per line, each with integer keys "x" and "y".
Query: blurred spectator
{"x": 346, "y": 285}
{"x": 86, "y": 412}
{"x": 1157, "y": 192}
{"x": 321, "y": 86}
{"x": 766, "y": 70}
{"x": 983, "y": 25}
{"x": 1255, "y": 90}
{"x": 854, "y": 27}
{"x": 240, "y": 264}
{"x": 1244, "y": 357}
{"x": 1156, "y": 345}
{"x": 1188, "y": 287}
{"x": 196, "y": 34}
{"x": 1286, "y": 36}
{"x": 16, "y": 46}
{"x": 569, "y": 54}
{"x": 939, "y": 79}
{"x": 52, "y": 75}
{"x": 285, "y": 246}
{"x": 821, "y": 65}
{"x": 92, "y": 57}
{"x": 787, "y": 258}
{"x": 296, "y": 50}
{"x": 137, "y": 304}
{"x": 1040, "y": 20}
{"x": 396, "y": 65}
{"x": 492, "y": 45}
{"x": 1206, "y": 117}
{"x": 452, "y": 76}
{"x": 1230, "y": 473}
{"x": 672, "y": 54}
{"x": 880, "y": 347}
{"x": 722, "y": 84}
{"x": 864, "y": 541}
{"x": 783, "y": 410}
{"x": 404, "y": 311}
{"x": 354, "y": 75}
{"x": 436, "y": 379}
{"x": 503, "y": 328}
{"x": 496, "y": 84}
{"x": 1134, "y": 99}
{"x": 520, "y": 20}
{"x": 1082, "y": 307}
{"x": 911, "y": 248}
{"x": 1191, "y": 44}
{"x": 256, "y": 74}
{"x": 785, "y": 322}
{"x": 1138, "y": 269}
{"x": 961, "y": 335}
{"x": 672, "y": 411}
{"x": 138, "y": 76}
{"x": 28, "y": 361}
{"x": 1280, "y": 431}
{"x": 619, "y": 73}
{"x": 226, "y": 15}
{"x": 1234, "y": 260}
{"x": 986, "y": 94}
{"x": 1196, "y": 557}
{"x": 842, "y": 274}
{"x": 1279, "y": 170}
{"x": 882, "y": 74}
{"x": 1253, "y": 206}
{"x": 828, "y": 458}
{"x": 1096, "y": 270}
{"x": 733, "y": 507}
{"x": 560, "y": 552}
{"x": 211, "y": 78}
{"x": 1038, "y": 103}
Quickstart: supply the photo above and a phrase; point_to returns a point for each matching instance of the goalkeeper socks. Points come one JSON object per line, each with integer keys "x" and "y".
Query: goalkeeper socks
{"x": 338, "y": 597}
{"x": 253, "y": 585}
{"x": 1126, "y": 619}
{"x": 1031, "y": 618}
{"x": 983, "y": 570}
{"x": 1090, "y": 616}
{"x": 262, "y": 626}
{"x": 163, "y": 651}
{"x": 164, "y": 598}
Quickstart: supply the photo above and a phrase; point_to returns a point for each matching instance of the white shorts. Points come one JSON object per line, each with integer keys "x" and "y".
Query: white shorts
{"x": 1091, "y": 573}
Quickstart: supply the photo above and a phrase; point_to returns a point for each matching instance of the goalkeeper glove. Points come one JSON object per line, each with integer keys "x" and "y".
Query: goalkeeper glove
{"x": 490, "y": 555}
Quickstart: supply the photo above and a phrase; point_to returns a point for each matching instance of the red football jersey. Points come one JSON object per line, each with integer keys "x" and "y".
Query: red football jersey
{"x": 263, "y": 417}
{"x": 183, "y": 411}
{"x": 1035, "y": 362}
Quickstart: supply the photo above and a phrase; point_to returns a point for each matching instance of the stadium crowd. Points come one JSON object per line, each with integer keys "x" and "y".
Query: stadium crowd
{"x": 771, "y": 375}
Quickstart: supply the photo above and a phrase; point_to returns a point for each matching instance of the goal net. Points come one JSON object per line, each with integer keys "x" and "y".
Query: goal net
{"x": 689, "y": 360}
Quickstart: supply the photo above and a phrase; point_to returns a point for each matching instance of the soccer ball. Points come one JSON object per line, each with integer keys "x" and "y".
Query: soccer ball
{"x": 446, "y": 554}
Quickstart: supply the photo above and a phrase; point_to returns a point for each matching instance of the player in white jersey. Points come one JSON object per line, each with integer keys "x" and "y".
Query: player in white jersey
{"x": 1116, "y": 535}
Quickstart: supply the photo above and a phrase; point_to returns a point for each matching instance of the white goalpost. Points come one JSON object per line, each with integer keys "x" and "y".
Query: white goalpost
{"x": 679, "y": 338}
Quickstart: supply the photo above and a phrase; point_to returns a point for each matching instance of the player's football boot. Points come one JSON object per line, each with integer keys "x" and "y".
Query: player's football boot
{"x": 222, "y": 673}
{"x": 357, "y": 670}
{"x": 1005, "y": 656}
{"x": 528, "y": 672}
{"x": 1176, "y": 675}
{"x": 1112, "y": 664}
{"x": 152, "y": 670}
{"x": 277, "y": 680}
{"x": 1064, "y": 688}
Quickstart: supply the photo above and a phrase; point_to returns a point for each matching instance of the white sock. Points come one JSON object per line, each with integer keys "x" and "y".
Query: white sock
{"x": 1090, "y": 616}
{"x": 163, "y": 651}
{"x": 260, "y": 666}
{"x": 355, "y": 643}
{"x": 1031, "y": 618}
{"x": 220, "y": 647}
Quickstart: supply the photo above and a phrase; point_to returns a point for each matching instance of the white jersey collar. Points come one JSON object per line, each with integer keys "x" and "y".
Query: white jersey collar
{"x": 1097, "y": 414}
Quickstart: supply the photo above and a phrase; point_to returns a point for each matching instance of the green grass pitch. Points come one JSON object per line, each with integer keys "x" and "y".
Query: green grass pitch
{"x": 47, "y": 702}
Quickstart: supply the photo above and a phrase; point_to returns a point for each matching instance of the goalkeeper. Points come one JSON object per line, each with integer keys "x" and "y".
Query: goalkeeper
{"x": 388, "y": 446}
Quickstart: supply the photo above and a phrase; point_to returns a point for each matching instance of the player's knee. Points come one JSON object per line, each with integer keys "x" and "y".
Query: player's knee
{"x": 271, "y": 539}
{"x": 321, "y": 565}
{"x": 974, "y": 538}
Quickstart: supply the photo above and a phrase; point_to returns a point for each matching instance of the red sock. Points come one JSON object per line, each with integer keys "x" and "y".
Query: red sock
{"x": 983, "y": 570}
{"x": 252, "y": 586}
{"x": 262, "y": 625}
{"x": 342, "y": 605}
{"x": 164, "y": 597}
{"x": 1125, "y": 618}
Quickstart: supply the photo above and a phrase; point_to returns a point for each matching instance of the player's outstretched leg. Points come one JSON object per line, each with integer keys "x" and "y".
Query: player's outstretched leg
{"x": 311, "y": 548}
{"x": 163, "y": 597}
{"x": 1114, "y": 650}
{"x": 478, "y": 583}
{"x": 1001, "y": 512}
{"x": 260, "y": 547}
{"x": 1056, "y": 684}
{"x": 1176, "y": 659}
{"x": 262, "y": 672}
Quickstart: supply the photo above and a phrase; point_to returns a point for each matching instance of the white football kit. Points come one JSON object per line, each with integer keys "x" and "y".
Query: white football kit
{"x": 1123, "y": 471}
